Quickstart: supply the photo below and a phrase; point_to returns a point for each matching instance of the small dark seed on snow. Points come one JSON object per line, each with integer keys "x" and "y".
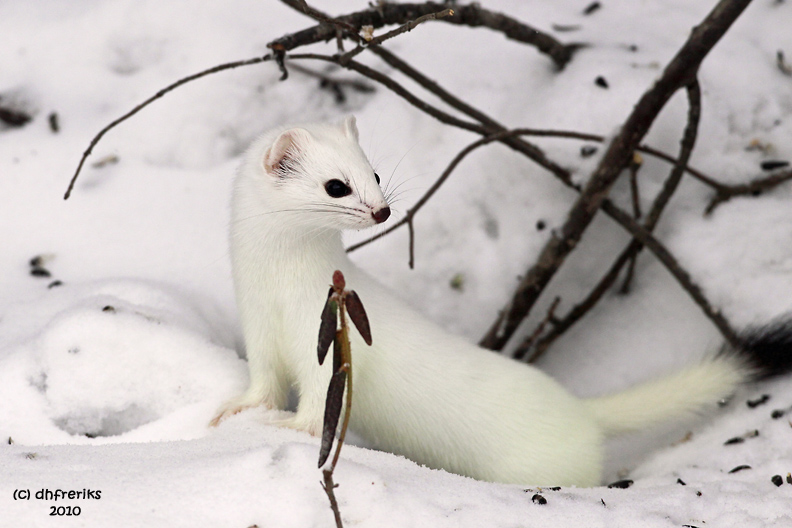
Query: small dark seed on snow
{"x": 757, "y": 402}
{"x": 586, "y": 151}
{"x": 739, "y": 468}
{"x": 54, "y": 283}
{"x": 40, "y": 272}
{"x": 789, "y": 478}
{"x": 698, "y": 494}
{"x": 538, "y": 499}
{"x": 621, "y": 484}
{"x": 777, "y": 480}
{"x": 36, "y": 261}
{"x": 108, "y": 308}
{"x": 778, "y": 413}
{"x": 682, "y": 482}
{"x": 601, "y": 82}
{"x": 555, "y": 488}
{"x": 540, "y": 225}
{"x": 773, "y": 165}
{"x": 593, "y": 6}
{"x": 735, "y": 440}
{"x": 53, "y": 122}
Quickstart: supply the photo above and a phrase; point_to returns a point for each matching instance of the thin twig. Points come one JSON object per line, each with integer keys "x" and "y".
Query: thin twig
{"x": 329, "y": 486}
{"x": 526, "y": 345}
{"x": 408, "y": 217}
{"x": 635, "y": 167}
{"x": 754, "y": 187}
{"x": 404, "y": 28}
{"x": 141, "y": 106}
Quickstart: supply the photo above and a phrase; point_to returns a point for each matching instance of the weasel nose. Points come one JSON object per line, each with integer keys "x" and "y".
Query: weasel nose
{"x": 381, "y": 215}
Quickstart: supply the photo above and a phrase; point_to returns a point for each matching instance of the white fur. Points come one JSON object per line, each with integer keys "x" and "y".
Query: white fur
{"x": 419, "y": 391}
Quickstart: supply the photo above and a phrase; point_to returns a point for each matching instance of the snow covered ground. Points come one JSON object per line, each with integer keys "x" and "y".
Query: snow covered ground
{"x": 111, "y": 367}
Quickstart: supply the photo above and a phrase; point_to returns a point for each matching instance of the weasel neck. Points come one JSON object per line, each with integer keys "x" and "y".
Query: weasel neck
{"x": 301, "y": 254}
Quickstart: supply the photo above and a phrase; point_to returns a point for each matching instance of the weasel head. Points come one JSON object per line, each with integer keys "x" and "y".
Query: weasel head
{"x": 317, "y": 173}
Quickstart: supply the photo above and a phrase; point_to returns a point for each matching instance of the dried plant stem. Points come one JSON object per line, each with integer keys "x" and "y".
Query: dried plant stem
{"x": 329, "y": 484}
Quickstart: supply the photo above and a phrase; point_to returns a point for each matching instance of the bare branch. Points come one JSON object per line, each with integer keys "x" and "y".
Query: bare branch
{"x": 387, "y": 14}
{"x": 634, "y": 247}
{"x": 682, "y": 276}
{"x": 680, "y": 71}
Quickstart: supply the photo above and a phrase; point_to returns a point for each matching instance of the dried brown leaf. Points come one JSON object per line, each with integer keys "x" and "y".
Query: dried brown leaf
{"x": 358, "y": 315}
{"x": 333, "y": 405}
{"x": 327, "y": 329}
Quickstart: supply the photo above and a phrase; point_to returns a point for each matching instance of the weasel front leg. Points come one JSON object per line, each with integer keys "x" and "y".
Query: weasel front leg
{"x": 268, "y": 383}
{"x": 310, "y": 409}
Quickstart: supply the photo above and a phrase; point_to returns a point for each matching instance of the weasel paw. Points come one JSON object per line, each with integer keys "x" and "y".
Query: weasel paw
{"x": 237, "y": 405}
{"x": 312, "y": 428}
{"x": 226, "y": 412}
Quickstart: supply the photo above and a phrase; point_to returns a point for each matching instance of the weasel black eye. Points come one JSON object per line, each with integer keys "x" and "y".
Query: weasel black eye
{"x": 376, "y": 177}
{"x": 337, "y": 189}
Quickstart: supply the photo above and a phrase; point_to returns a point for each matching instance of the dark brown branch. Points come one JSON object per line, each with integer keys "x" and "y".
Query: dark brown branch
{"x": 680, "y": 71}
{"x": 682, "y": 276}
{"x": 141, "y": 106}
{"x": 333, "y": 25}
{"x": 388, "y": 14}
{"x": 629, "y": 254}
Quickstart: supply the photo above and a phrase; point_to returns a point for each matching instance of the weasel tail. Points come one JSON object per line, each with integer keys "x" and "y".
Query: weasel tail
{"x": 765, "y": 352}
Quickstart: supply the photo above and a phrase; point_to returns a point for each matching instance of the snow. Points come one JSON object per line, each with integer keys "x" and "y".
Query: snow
{"x": 108, "y": 379}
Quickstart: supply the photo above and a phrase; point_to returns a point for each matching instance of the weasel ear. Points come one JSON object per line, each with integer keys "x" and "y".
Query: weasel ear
{"x": 350, "y": 127}
{"x": 285, "y": 150}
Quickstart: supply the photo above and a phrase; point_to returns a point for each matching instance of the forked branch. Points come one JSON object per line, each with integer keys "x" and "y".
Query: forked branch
{"x": 681, "y": 71}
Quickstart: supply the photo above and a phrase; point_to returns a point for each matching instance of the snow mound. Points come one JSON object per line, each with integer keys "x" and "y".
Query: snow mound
{"x": 118, "y": 361}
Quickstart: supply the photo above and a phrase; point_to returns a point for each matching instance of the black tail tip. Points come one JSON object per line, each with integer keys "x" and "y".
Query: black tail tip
{"x": 768, "y": 348}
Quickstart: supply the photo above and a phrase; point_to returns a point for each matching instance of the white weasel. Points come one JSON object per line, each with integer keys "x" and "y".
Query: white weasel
{"x": 419, "y": 391}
